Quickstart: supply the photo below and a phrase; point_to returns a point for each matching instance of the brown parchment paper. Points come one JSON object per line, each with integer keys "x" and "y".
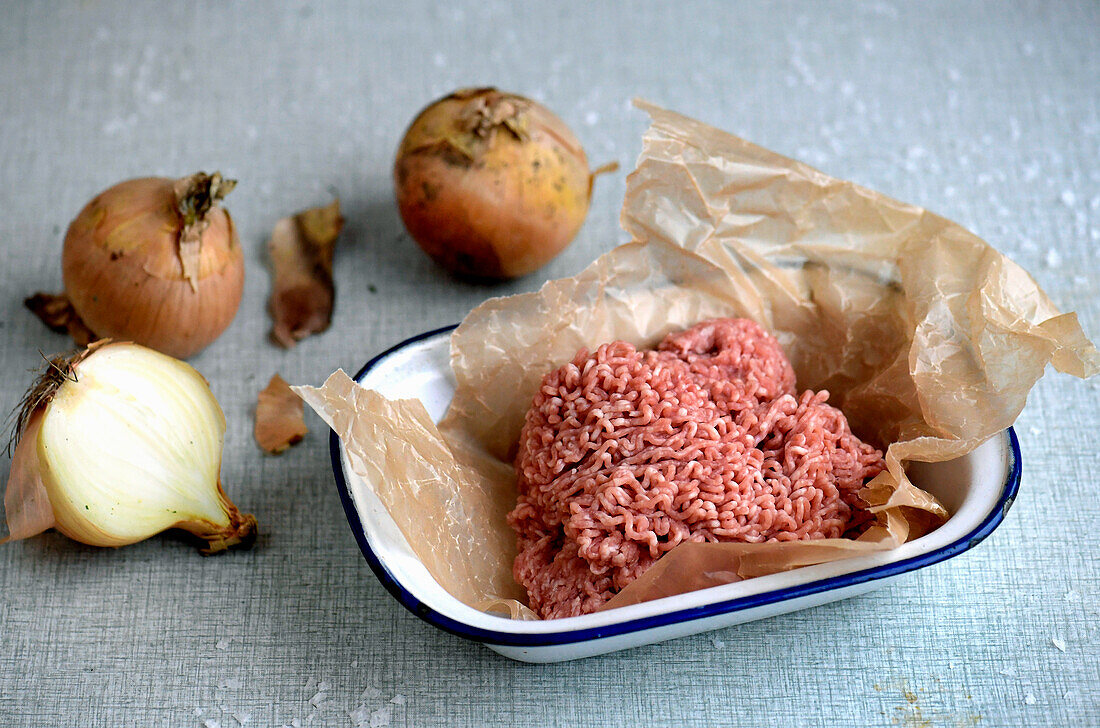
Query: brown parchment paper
{"x": 926, "y": 337}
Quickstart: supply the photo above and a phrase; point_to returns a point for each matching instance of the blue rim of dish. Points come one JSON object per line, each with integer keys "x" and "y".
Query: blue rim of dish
{"x": 431, "y": 616}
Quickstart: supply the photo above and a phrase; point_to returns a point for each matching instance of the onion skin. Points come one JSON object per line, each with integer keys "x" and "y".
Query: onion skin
{"x": 491, "y": 185}
{"x": 122, "y": 269}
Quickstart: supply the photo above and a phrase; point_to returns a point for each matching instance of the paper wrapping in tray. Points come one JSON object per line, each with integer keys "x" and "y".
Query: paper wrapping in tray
{"x": 925, "y": 336}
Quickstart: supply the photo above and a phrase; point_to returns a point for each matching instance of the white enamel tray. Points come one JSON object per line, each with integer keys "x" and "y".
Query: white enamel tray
{"x": 978, "y": 489}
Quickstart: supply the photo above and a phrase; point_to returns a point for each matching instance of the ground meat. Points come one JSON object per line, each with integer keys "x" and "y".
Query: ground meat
{"x": 624, "y": 454}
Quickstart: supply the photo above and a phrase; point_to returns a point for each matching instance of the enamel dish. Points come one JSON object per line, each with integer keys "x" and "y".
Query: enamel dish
{"x": 978, "y": 489}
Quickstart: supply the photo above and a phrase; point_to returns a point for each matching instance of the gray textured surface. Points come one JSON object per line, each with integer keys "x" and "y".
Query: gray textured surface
{"x": 986, "y": 113}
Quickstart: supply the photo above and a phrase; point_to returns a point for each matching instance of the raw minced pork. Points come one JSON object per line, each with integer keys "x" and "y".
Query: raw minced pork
{"x": 625, "y": 453}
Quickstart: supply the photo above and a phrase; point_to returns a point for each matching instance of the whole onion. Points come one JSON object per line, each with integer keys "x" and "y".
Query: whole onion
{"x": 491, "y": 184}
{"x": 156, "y": 261}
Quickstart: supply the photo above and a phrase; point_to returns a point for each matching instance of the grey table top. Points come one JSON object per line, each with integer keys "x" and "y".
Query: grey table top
{"x": 988, "y": 113}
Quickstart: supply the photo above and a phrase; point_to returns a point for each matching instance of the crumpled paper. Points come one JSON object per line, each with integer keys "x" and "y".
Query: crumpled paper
{"x": 925, "y": 336}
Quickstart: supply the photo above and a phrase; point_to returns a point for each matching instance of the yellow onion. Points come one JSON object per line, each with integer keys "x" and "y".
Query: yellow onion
{"x": 156, "y": 261}
{"x": 119, "y": 443}
{"x": 491, "y": 184}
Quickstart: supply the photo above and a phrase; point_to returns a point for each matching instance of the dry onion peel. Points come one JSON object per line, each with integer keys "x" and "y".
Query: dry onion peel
{"x": 119, "y": 443}
{"x": 279, "y": 417}
{"x": 195, "y": 197}
{"x": 26, "y": 504}
{"x": 57, "y": 312}
{"x": 302, "y": 292}
{"x": 155, "y": 261}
